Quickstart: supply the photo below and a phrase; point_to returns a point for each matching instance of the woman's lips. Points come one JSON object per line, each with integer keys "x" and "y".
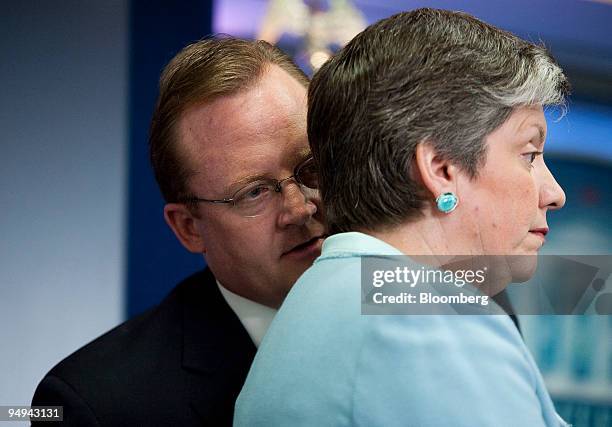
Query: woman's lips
{"x": 540, "y": 232}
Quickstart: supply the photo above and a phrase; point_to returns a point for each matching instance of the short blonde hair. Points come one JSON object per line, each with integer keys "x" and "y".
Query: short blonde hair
{"x": 200, "y": 73}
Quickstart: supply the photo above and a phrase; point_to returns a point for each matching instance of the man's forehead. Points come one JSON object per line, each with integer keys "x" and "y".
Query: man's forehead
{"x": 276, "y": 103}
{"x": 234, "y": 134}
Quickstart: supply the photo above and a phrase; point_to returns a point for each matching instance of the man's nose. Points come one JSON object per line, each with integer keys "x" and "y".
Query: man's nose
{"x": 295, "y": 207}
{"x": 552, "y": 195}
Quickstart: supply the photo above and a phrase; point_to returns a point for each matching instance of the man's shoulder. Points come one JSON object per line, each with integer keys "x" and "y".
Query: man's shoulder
{"x": 151, "y": 331}
{"x": 118, "y": 344}
{"x": 147, "y": 363}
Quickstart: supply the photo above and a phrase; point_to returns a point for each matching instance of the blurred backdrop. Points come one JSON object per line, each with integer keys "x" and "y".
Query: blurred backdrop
{"x": 83, "y": 244}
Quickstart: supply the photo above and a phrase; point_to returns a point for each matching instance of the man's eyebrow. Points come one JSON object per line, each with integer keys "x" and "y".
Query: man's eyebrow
{"x": 245, "y": 180}
{"x": 303, "y": 155}
{"x": 305, "y": 152}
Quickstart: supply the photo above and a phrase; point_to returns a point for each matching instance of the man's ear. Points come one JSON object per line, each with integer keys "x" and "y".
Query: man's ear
{"x": 438, "y": 175}
{"x": 183, "y": 223}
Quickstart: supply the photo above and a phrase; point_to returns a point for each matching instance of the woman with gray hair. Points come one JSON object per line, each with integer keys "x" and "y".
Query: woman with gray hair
{"x": 428, "y": 129}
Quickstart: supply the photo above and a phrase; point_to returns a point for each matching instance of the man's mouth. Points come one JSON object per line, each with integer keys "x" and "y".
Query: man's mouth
{"x": 309, "y": 248}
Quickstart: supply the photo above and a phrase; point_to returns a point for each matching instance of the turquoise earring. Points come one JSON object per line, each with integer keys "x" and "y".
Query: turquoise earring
{"x": 447, "y": 202}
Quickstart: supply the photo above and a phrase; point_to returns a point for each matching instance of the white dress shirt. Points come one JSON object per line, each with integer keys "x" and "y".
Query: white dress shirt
{"x": 255, "y": 317}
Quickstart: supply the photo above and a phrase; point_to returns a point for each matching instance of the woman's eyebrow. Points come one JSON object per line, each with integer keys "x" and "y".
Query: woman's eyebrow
{"x": 536, "y": 138}
{"x": 541, "y": 134}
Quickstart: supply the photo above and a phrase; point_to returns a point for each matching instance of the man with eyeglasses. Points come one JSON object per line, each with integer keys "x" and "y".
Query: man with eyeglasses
{"x": 230, "y": 153}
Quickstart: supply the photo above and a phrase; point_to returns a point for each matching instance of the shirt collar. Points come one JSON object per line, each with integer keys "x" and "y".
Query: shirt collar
{"x": 255, "y": 317}
{"x": 354, "y": 243}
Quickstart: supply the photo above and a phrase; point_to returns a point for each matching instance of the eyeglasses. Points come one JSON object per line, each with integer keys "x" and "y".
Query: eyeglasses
{"x": 257, "y": 198}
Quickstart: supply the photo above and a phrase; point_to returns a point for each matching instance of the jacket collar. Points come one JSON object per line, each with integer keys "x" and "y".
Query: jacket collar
{"x": 213, "y": 337}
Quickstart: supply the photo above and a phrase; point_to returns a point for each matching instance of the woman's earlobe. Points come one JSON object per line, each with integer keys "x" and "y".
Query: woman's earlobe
{"x": 437, "y": 175}
{"x": 447, "y": 202}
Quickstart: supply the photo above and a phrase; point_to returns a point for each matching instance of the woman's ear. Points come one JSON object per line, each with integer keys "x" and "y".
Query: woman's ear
{"x": 437, "y": 174}
{"x": 184, "y": 225}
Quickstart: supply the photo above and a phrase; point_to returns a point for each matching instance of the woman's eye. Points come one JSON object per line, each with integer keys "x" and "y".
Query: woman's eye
{"x": 530, "y": 157}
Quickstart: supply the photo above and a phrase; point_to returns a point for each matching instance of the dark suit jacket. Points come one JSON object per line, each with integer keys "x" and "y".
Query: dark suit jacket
{"x": 181, "y": 363}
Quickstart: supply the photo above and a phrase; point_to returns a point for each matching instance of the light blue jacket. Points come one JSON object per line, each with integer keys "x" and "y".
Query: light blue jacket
{"x": 323, "y": 363}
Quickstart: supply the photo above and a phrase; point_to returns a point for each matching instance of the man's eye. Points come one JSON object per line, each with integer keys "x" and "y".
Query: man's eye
{"x": 309, "y": 168}
{"x": 307, "y": 174}
{"x": 257, "y": 192}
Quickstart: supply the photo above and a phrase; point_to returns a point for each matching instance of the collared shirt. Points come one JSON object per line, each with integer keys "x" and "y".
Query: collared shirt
{"x": 322, "y": 362}
{"x": 255, "y": 317}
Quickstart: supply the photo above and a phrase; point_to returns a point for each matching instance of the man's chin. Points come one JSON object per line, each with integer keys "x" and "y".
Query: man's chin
{"x": 291, "y": 273}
